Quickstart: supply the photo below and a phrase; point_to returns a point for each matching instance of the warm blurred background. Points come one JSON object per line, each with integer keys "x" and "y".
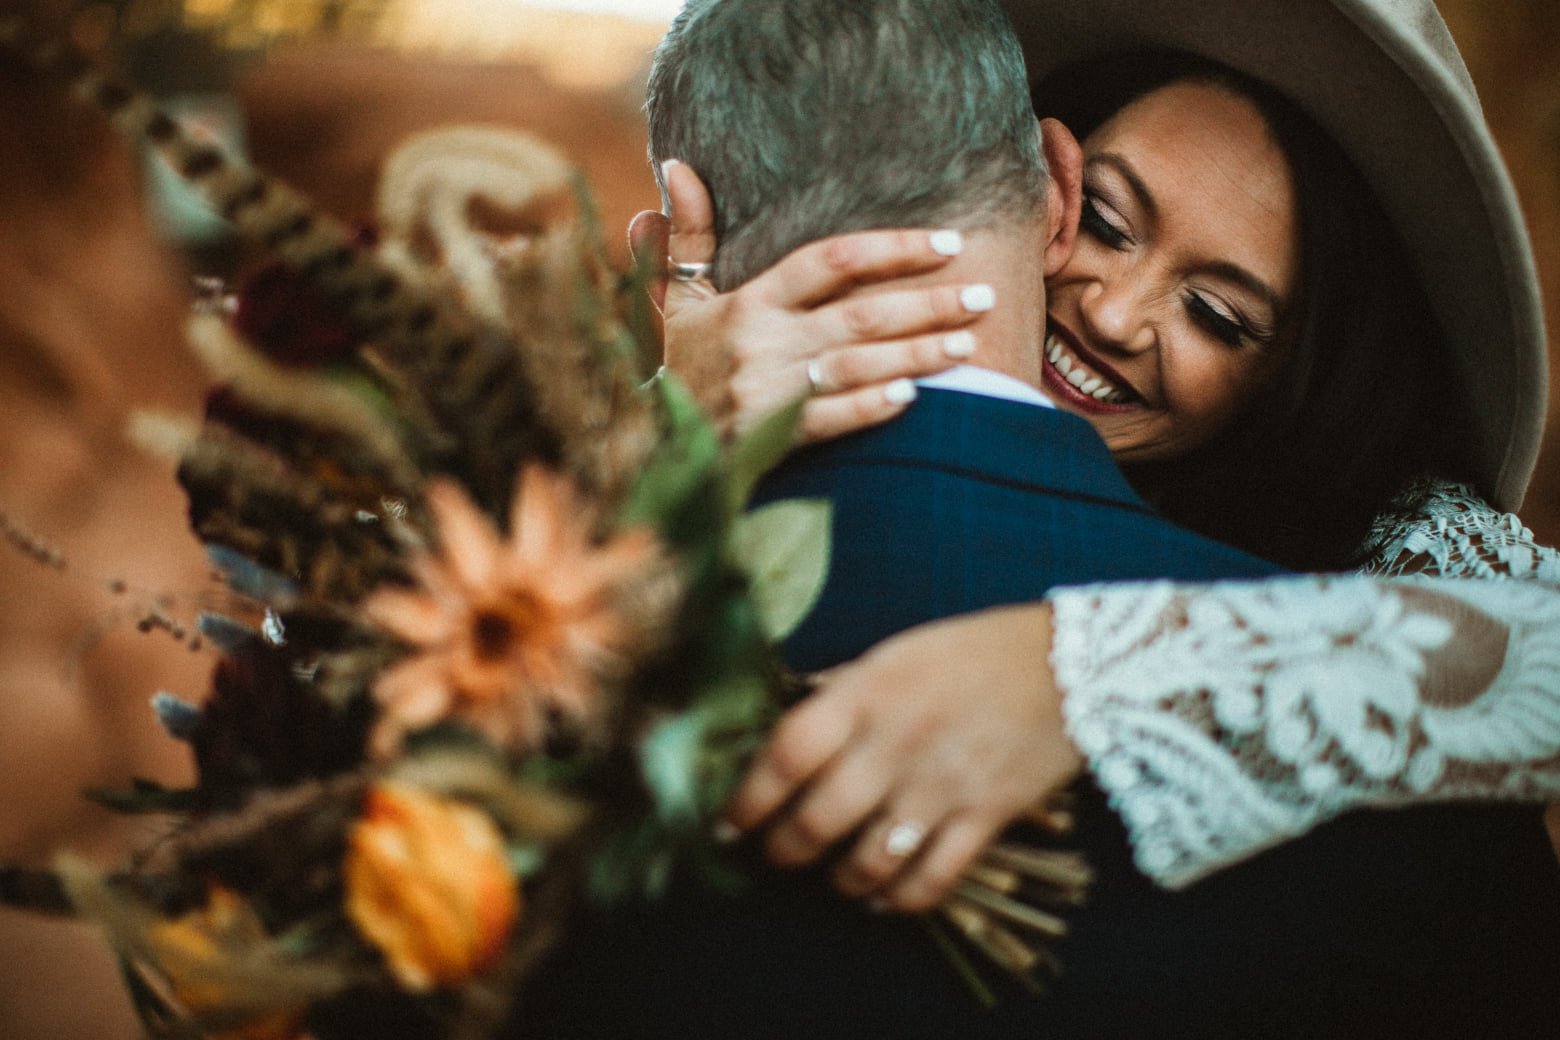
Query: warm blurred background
{"x": 93, "y": 286}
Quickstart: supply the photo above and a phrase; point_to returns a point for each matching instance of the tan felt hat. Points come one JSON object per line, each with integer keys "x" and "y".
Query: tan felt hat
{"x": 1385, "y": 79}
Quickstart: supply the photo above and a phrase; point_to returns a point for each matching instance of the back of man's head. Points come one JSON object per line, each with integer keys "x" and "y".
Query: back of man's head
{"x": 808, "y": 118}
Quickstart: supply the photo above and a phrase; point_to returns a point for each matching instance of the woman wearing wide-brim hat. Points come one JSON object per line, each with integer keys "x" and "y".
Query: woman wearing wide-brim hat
{"x": 1222, "y": 720}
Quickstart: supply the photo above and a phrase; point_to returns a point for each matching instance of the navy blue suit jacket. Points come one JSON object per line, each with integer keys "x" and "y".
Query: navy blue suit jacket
{"x": 968, "y": 502}
{"x": 1375, "y": 925}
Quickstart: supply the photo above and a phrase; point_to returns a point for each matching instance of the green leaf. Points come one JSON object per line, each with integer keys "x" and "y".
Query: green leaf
{"x": 759, "y": 452}
{"x": 669, "y": 756}
{"x": 738, "y": 707}
{"x": 737, "y": 717}
{"x": 784, "y": 548}
{"x": 692, "y": 760}
{"x": 630, "y": 863}
{"x": 641, "y": 316}
{"x": 685, "y": 461}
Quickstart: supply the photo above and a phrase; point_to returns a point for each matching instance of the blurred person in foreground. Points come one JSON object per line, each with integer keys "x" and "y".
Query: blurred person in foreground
{"x": 91, "y": 312}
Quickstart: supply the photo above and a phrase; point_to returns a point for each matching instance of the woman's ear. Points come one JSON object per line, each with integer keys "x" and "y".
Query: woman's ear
{"x": 1064, "y": 194}
{"x": 648, "y": 236}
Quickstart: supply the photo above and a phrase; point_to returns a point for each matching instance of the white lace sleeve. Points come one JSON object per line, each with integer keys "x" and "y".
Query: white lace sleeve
{"x": 1223, "y": 719}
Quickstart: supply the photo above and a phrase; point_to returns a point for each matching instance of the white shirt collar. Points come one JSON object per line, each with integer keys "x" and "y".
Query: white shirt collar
{"x": 969, "y": 379}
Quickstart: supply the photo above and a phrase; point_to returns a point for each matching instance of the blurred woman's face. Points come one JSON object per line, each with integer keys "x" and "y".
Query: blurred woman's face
{"x": 1170, "y": 316}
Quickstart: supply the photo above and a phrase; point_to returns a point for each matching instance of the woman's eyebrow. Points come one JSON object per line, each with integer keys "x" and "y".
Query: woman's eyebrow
{"x": 1248, "y": 281}
{"x": 1119, "y": 163}
{"x": 1231, "y": 272}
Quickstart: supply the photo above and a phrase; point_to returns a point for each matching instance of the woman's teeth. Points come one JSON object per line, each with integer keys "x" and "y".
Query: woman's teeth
{"x": 1073, "y": 370}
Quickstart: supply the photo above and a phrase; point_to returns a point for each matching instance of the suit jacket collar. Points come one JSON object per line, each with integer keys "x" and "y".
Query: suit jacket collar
{"x": 985, "y": 438}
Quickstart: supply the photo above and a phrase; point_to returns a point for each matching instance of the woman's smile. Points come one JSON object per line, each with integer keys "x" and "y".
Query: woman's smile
{"x": 1074, "y": 374}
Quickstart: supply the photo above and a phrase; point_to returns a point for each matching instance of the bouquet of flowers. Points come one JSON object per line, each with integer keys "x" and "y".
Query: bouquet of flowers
{"x": 497, "y": 633}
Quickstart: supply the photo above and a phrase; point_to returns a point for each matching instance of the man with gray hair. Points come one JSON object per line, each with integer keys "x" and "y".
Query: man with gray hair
{"x": 809, "y": 119}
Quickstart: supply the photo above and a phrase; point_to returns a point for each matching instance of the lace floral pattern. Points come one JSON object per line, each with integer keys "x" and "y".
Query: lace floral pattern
{"x": 1222, "y": 719}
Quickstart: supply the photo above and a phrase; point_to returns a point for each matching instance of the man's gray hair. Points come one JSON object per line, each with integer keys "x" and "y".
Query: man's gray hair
{"x": 808, "y": 118}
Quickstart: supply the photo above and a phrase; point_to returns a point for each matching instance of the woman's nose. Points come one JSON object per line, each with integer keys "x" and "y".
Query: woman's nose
{"x": 1115, "y": 316}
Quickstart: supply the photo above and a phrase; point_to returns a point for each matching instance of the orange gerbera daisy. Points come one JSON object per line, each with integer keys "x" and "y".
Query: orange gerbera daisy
{"x": 507, "y": 632}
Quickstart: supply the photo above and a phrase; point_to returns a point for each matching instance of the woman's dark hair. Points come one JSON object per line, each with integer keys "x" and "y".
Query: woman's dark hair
{"x": 1367, "y": 401}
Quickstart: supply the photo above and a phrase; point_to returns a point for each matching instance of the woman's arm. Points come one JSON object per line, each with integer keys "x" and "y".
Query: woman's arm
{"x": 1221, "y": 719}
{"x": 1227, "y": 718}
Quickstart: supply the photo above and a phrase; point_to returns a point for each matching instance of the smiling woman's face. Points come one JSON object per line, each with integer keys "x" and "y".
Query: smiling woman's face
{"x": 1170, "y": 315}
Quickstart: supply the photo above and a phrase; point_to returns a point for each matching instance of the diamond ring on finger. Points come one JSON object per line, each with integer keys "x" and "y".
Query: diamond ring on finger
{"x": 904, "y": 838}
{"x": 815, "y": 377}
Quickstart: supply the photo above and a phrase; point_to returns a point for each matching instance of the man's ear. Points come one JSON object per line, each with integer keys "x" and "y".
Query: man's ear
{"x": 1064, "y": 197}
{"x": 648, "y": 235}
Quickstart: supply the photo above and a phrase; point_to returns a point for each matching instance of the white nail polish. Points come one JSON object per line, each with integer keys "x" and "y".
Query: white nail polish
{"x": 900, "y": 391}
{"x": 667, "y": 166}
{"x": 946, "y": 243}
{"x": 959, "y": 344}
{"x": 978, "y": 298}
{"x": 725, "y": 832}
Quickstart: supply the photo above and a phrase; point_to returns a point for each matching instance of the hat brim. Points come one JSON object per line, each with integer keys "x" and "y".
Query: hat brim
{"x": 1384, "y": 78}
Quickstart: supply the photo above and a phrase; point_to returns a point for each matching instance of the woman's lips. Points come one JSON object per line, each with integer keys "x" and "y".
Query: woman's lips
{"x": 1088, "y": 385}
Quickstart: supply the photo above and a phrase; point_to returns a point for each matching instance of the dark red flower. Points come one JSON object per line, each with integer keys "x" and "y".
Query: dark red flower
{"x": 264, "y": 726}
{"x": 287, "y": 318}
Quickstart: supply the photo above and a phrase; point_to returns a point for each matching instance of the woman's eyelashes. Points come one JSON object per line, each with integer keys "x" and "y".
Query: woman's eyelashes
{"x": 1096, "y": 223}
{"x": 1224, "y": 327}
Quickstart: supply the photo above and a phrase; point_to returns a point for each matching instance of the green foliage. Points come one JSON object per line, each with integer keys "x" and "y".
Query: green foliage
{"x": 680, "y": 475}
{"x": 784, "y": 549}
{"x": 692, "y": 760}
{"x": 759, "y": 452}
{"x": 670, "y": 756}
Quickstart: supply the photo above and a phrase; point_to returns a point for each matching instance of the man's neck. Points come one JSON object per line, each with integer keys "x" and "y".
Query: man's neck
{"x": 1008, "y": 259}
{"x": 1009, "y": 336}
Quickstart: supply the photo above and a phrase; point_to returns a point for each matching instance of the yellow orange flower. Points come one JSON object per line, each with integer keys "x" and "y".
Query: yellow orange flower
{"x": 505, "y": 632}
{"x": 429, "y": 885}
{"x": 195, "y": 954}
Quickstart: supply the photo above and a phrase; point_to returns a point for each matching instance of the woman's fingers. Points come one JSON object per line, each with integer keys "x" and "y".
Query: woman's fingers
{"x": 805, "y": 741}
{"x": 884, "y": 849}
{"x": 837, "y": 801}
{"x": 824, "y": 418}
{"x": 649, "y": 238}
{"x": 929, "y": 877}
{"x": 898, "y": 314}
{"x": 692, "y": 215}
{"x": 856, "y": 387}
{"x": 760, "y": 384}
{"x": 964, "y": 721}
{"x": 848, "y": 368}
{"x": 831, "y": 267}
